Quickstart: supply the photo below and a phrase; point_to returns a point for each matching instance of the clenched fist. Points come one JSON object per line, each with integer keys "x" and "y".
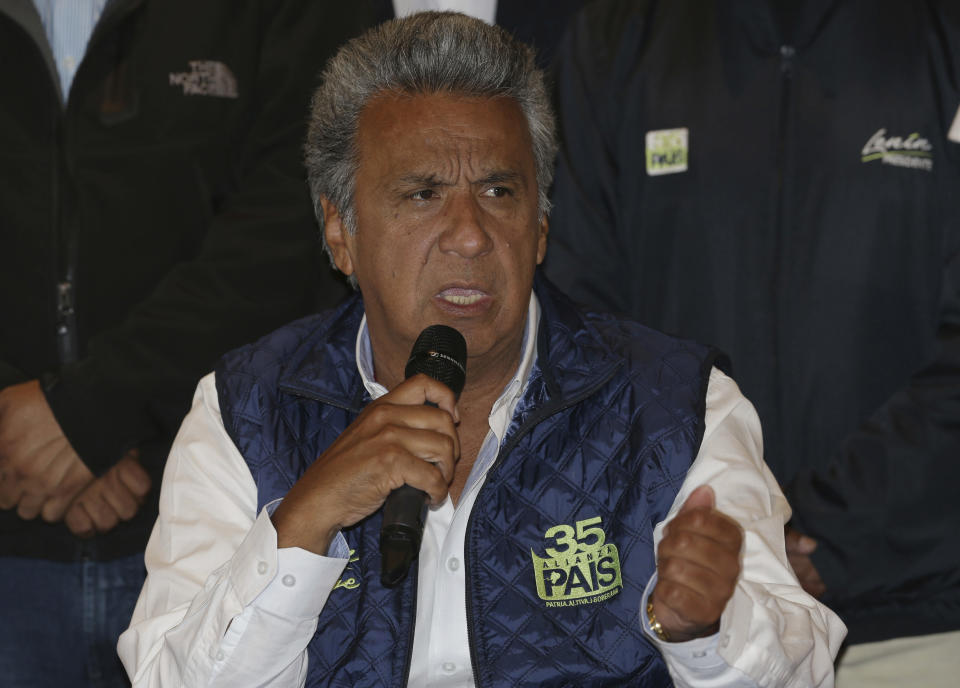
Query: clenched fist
{"x": 698, "y": 563}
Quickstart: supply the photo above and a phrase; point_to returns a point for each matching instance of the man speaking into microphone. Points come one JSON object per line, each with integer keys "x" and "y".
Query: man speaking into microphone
{"x": 599, "y": 510}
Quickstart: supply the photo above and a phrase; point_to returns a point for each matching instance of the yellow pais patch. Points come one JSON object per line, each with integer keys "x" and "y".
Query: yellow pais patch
{"x": 580, "y": 566}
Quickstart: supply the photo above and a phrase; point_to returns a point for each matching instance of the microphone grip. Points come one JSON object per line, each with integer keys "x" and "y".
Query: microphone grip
{"x": 404, "y": 515}
{"x": 440, "y": 352}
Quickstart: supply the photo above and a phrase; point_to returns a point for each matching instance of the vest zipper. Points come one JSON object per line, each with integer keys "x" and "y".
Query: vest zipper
{"x": 412, "y": 574}
{"x": 537, "y": 418}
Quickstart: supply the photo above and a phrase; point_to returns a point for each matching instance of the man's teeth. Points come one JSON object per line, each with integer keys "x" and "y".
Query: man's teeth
{"x": 463, "y": 299}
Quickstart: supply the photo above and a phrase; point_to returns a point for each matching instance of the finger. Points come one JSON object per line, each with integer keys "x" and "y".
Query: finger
{"x": 395, "y": 466}
{"x": 807, "y": 574}
{"x": 387, "y": 418}
{"x": 798, "y": 543}
{"x": 707, "y": 523}
{"x": 133, "y": 477}
{"x": 814, "y": 587}
{"x": 78, "y": 522}
{"x": 432, "y": 447}
{"x": 54, "y": 509}
{"x": 682, "y": 609}
{"x": 118, "y": 498}
{"x": 698, "y": 562}
{"x": 424, "y": 476}
{"x": 100, "y": 512}
{"x": 700, "y": 498}
{"x": 28, "y": 508}
{"x": 53, "y": 460}
{"x": 11, "y": 491}
{"x": 420, "y": 389}
{"x": 76, "y": 480}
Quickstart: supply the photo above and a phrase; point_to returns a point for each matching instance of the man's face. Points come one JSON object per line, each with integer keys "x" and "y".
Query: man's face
{"x": 447, "y": 226}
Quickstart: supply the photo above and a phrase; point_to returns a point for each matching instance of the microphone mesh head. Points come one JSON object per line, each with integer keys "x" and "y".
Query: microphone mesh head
{"x": 441, "y": 353}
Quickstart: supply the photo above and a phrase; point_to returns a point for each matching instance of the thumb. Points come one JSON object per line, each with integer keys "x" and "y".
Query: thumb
{"x": 700, "y": 498}
{"x": 798, "y": 543}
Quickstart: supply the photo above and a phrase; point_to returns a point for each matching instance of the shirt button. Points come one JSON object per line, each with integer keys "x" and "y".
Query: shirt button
{"x": 449, "y": 667}
{"x": 220, "y": 656}
{"x": 69, "y": 62}
{"x": 453, "y": 564}
{"x": 262, "y": 567}
{"x": 289, "y": 580}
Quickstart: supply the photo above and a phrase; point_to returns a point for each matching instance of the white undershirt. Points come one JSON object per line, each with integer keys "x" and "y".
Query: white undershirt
{"x": 248, "y": 621}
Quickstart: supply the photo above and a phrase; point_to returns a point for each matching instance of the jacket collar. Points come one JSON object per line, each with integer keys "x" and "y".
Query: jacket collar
{"x": 751, "y": 29}
{"x": 571, "y": 355}
{"x": 324, "y": 366}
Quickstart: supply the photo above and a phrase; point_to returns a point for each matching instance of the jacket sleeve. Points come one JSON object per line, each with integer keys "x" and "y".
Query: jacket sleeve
{"x": 885, "y": 511}
{"x": 584, "y": 224}
{"x": 259, "y": 264}
{"x": 221, "y": 605}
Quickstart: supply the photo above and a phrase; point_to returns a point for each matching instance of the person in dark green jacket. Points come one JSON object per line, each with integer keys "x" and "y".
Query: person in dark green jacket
{"x": 153, "y": 214}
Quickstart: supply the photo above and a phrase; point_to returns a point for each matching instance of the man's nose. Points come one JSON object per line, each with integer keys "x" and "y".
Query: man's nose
{"x": 465, "y": 233}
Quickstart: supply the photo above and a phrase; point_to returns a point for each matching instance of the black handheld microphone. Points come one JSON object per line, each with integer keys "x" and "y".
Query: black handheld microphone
{"x": 441, "y": 353}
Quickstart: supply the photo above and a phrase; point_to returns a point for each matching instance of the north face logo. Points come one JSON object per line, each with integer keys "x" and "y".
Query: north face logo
{"x": 206, "y": 78}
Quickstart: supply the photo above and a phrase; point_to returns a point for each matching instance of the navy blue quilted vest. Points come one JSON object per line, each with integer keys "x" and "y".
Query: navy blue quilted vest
{"x": 560, "y": 542}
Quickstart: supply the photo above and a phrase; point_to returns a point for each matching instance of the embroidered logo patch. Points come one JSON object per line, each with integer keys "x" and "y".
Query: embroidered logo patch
{"x": 912, "y": 151}
{"x": 580, "y": 566}
{"x": 667, "y": 151}
{"x": 350, "y": 583}
{"x": 206, "y": 78}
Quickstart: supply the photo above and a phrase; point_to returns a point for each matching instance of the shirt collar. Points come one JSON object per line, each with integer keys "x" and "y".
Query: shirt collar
{"x": 503, "y": 407}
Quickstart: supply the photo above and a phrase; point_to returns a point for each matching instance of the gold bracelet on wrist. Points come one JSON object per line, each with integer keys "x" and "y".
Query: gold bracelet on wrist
{"x": 654, "y": 624}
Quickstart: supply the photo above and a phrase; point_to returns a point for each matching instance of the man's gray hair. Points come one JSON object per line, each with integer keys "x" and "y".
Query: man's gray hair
{"x": 426, "y": 53}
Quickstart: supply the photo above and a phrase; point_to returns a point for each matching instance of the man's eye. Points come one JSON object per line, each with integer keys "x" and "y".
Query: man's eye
{"x": 497, "y": 191}
{"x": 423, "y": 195}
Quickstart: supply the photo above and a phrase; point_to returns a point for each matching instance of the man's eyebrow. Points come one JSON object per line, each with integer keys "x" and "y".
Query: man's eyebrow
{"x": 501, "y": 177}
{"x": 426, "y": 180}
{"x": 430, "y": 180}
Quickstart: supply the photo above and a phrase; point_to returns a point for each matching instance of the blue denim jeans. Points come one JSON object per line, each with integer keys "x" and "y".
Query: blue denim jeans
{"x": 59, "y": 622}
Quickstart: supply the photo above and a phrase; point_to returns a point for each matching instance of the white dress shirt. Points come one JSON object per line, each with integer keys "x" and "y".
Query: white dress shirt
{"x": 222, "y": 606}
{"x": 481, "y": 9}
{"x": 69, "y": 25}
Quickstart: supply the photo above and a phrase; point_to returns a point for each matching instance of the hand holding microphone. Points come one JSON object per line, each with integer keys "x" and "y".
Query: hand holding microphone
{"x": 440, "y": 352}
{"x": 397, "y": 440}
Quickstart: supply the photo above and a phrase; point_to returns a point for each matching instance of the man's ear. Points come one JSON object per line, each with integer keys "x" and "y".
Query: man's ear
{"x": 543, "y": 230}
{"x": 338, "y": 239}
